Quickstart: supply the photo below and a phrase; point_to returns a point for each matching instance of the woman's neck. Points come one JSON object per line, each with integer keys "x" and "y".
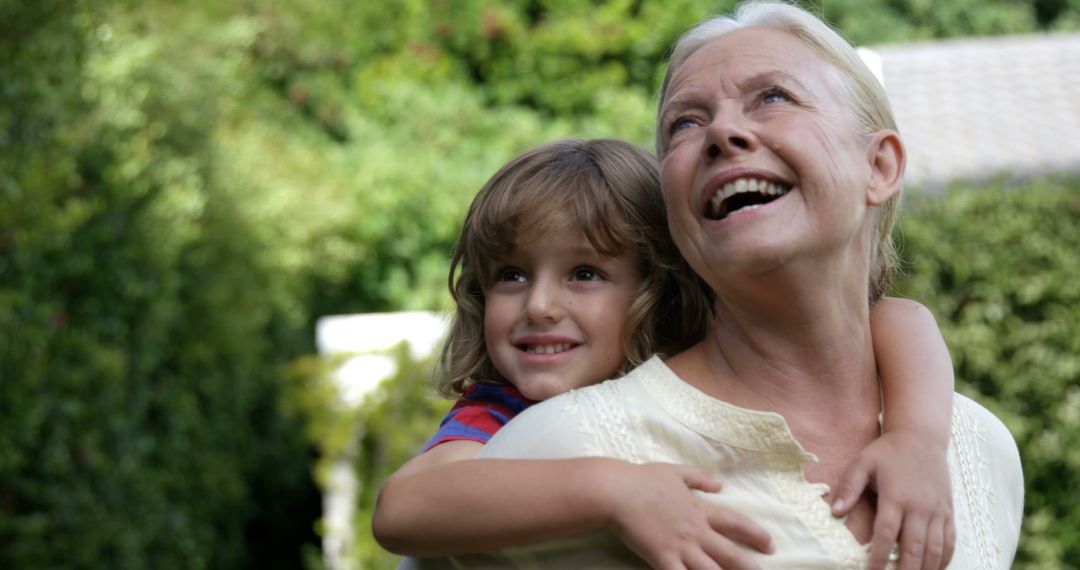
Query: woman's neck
{"x": 794, "y": 339}
{"x": 782, "y": 350}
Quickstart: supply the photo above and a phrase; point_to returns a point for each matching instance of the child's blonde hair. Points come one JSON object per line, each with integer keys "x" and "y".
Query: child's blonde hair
{"x": 610, "y": 190}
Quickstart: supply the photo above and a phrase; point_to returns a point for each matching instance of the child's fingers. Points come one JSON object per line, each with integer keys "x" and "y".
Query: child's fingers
{"x": 725, "y": 554}
{"x": 950, "y": 541}
{"x": 935, "y": 544}
{"x": 699, "y": 479}
{"x": 886, "y": 527}
{"x": 913, "y": 539}
{"x": 699, "y": 560}
{"x": 669, "y": 562}
{"x": 740, "y": 528}
{"x": 850, "y": 488}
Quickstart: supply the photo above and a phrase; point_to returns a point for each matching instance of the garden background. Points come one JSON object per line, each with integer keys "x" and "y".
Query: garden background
{"x": 186, "y": 186}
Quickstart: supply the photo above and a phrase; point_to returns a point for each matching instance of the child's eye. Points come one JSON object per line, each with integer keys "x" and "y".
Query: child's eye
{"x": 587, "y": 274}
{"x": 775, "y": 95}
{"x": 512, "y": 274}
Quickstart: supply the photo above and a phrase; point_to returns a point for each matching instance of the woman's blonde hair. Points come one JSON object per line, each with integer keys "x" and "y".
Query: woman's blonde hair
{"x": 870, "y": 105}
{"x": 610, "y": 190}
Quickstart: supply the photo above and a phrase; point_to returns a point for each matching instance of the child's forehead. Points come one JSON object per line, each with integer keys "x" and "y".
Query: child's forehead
{"x": 570, "y": 240}
{"x": 565, "y": 227}
{"x": 534, "y": 226}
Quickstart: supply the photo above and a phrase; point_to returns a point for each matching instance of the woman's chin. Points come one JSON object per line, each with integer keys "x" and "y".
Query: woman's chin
{"x": 748, "y": 256}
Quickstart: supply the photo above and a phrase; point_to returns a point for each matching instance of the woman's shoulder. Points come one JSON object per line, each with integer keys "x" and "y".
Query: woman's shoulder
{"x": 973, "y": 425}
{"x": 613, "y": 393}
{"x": 989, "y": 483}
{"x": 577, "y": 422}
{"x": 981, "y": 439}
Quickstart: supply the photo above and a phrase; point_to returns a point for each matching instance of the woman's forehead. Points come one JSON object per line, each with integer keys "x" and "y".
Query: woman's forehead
{"x": 747, "y": 55}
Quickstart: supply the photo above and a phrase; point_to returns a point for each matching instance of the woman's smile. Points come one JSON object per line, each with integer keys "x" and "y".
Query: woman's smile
{"x": 748, "y": 193}
{"x": 740, "y": 191}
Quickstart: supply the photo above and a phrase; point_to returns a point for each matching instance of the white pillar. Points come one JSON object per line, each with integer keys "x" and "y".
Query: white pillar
{"x": 367, "y": 339}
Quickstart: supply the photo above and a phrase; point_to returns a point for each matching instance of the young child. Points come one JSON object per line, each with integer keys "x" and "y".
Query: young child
{"x": 565, "y": 275}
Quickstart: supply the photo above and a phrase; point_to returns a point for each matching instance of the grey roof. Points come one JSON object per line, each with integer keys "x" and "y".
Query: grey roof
{"x": 982, "y": 108}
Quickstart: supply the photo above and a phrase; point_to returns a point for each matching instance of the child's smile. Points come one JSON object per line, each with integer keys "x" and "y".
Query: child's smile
{"x": 544, "y": 347}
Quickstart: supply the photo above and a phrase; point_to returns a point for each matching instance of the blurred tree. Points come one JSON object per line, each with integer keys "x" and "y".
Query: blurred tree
{"x": 142, "y": 339}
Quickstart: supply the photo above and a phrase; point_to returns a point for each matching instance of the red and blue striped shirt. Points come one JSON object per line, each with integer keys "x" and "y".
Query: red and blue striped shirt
{"x": 480, "y": 412}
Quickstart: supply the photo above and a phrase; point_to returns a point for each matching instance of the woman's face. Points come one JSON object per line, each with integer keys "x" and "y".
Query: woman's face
{"x": 762, "y": 162}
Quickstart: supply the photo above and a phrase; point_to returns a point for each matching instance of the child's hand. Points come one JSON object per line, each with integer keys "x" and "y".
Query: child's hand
{"x": 911, "y": 478}
{"x": 658, "y": 517}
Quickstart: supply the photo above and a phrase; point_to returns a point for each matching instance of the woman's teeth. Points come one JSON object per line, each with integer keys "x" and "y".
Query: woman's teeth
{"x": 744, "y": 193}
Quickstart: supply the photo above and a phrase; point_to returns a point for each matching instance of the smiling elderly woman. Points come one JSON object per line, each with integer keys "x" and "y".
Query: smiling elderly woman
{"x": 781, "y": 169}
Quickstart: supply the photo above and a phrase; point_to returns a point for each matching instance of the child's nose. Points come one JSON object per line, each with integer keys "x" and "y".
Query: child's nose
{"x": 544, "y": 302}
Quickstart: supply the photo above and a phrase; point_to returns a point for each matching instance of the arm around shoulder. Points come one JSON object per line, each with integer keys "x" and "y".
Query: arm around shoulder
{"x": 406, "y": 498}
{"x": 445, "y": 502}
{"x": 915, "y": 367}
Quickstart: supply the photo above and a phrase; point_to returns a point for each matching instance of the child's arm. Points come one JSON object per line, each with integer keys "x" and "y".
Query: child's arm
{"x": 908, "y": 464}
{"x": 433, "y": 507}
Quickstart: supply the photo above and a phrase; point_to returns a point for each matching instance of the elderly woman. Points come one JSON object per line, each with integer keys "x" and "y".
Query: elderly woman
{"x": 781, "y": 170}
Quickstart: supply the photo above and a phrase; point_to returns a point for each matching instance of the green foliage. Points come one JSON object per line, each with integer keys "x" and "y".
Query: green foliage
{"x": 142, "y": 339}
{"x": 387, "y": 430}
{"x": 399, "y": 418}
{"x": 421, "y": 100}
{"x": 999, "y": 268}
{"x": 401, "y": 110}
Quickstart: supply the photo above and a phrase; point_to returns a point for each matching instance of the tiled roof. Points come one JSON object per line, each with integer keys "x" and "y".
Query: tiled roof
{"x": 982, "y": 108}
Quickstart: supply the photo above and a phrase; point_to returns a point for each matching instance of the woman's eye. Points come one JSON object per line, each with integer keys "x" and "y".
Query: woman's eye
{"x": 587, "y": 274}
{"x": 511, "y": 274}
{"x": 775, "y": 95}
{"x": 680, "y": 124}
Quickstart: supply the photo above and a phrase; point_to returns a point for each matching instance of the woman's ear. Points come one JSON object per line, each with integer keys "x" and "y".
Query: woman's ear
{"x": 887, "y": 162}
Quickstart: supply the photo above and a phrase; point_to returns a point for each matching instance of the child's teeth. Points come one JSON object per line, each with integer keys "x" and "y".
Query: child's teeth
{"x": 549, "y": 348}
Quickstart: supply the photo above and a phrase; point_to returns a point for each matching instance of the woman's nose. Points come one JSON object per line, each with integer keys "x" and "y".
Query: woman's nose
{"x": 544, "y": 302}
{"x": 727, "y": 136}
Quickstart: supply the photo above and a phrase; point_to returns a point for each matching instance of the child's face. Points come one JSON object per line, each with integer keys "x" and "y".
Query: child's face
{"x": 554, "y": 313}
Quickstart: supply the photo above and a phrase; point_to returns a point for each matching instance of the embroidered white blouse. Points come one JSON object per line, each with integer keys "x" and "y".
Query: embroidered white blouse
{"x": 652, "y": 415}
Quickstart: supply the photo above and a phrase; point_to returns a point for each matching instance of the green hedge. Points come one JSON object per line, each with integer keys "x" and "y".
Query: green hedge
{"x": 999, "y": 267}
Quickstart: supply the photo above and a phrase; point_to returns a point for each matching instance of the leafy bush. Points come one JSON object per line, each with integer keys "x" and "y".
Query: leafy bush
{"x": 143, "y": 326}
{"x": 999, "y": 268}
